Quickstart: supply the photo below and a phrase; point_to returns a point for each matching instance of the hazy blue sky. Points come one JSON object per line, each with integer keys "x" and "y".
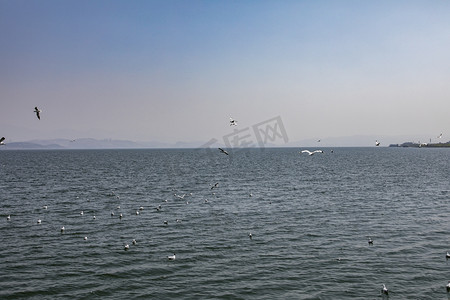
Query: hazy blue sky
{"x": 177, "y": 70}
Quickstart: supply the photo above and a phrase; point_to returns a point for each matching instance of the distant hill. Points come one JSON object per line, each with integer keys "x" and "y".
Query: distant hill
{"x": 29, "y": 145}
{"x": 89, "y": 143}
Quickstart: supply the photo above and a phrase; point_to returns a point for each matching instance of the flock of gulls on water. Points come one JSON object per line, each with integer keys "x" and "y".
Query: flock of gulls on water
{"x": 37, "y": 111}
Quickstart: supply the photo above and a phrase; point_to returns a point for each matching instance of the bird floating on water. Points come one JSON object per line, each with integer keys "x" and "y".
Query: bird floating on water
{"x": 370, "y": 241}
{"x": 2, "y": 141}
{"x": 126, "y": 247}
{"x": 62, "y": 229}
{"x": 134, "y": 242}
{"x": 250, "y": 235}
{"x": 447, "y": 256}
{"x": 171, "y": 257}
{"x": 313, "y": 152}
{"x": 448, "y": 287}
{"x": 8, "y": 218}
{"x": 37, "y": 111}
{"x": 223, "y": 151}
{"x": 384, "y": 290}
{"x": 233, "y": 122}
{"x": 85, "y": 238}
{"x": 39, "y": 221}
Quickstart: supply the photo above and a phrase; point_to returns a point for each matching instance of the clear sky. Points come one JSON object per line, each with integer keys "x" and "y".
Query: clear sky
{"x": 177, "y": 70}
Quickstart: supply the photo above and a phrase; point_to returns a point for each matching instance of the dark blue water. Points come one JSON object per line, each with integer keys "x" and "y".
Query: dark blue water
{"x": 310, "y": 217}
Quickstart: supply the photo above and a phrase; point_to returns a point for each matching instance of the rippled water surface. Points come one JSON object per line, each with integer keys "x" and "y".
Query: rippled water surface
{"x": 310, "y": 217}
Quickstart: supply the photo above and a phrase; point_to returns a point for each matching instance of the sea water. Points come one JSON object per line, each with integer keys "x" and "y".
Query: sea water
{"x": 310, "y": 218}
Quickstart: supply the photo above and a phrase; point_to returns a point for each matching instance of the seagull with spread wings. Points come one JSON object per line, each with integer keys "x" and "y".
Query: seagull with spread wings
{"x": 223, "y": 151}
{"x": 37, "y": 111}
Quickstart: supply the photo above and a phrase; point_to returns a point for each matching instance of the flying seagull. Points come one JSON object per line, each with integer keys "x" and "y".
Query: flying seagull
{"x": 233, "y": 122}
{"x": 215, "y": 185}
{"x": 377, "y": 143}
{"x": 223, "y": 151}
{"x": 2, "y": 141}
{"x": 312, "y": 153}
{"x": 440, "y": 136}
{"x": 37, "y": 111}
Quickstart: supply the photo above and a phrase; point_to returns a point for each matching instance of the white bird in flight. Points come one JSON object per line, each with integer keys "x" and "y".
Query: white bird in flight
{"x": 377, "y": 143}
{"x": 37, "y": 111}
{"x": 440, "y": 136}
{"x": 312, "y": 153}
{"x": 2, "y": 141}
{"x": 233, "y": 122}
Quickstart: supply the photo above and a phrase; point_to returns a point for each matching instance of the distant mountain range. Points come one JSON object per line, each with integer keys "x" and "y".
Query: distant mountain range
{"x": 90, "y": 143}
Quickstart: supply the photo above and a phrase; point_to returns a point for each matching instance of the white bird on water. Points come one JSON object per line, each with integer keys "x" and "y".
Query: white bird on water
{"x": 448, "y": 287}
{"x": 313, "y": 152}
{"x": 62, "y": 229}
{"x": 127, "y": 247}
{"x": 37, "y": 111}
{"x": 384, "y": 290}
{"x": 39, "y": 221}
{"x": 8, "y": 218}
{"x": 447, "y": 256}
{"x": 134, "y": 242}
{"x": 370, "y": 241}
{"x": 171, "y": 257}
